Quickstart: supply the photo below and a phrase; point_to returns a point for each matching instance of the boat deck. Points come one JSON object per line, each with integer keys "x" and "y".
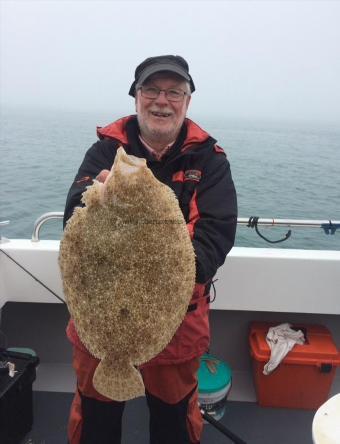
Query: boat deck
{"x": 254, "y": 424}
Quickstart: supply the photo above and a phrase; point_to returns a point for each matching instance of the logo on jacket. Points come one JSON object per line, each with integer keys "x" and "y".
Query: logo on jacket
{"x": 193, "y": 175}
{"x": 85, "y": 179}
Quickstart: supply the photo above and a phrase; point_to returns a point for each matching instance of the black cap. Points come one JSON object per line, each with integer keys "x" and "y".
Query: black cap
{"x": 172, "y": 63}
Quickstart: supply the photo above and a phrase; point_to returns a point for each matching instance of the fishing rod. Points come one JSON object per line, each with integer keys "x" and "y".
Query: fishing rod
{"x": 229, "y": 434}
{"x": 328, "y": 226}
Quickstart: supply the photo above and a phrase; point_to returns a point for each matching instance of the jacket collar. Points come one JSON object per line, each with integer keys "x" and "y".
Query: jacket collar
{"x": 117, "y": 131}
{"x": 195, "y": 134}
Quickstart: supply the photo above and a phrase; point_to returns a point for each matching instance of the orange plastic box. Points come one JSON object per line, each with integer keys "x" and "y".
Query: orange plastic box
{"x": 304, "y": 378}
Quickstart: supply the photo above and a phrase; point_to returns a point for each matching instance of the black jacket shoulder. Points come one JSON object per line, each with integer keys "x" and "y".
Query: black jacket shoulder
{"x": 100, "y": 156}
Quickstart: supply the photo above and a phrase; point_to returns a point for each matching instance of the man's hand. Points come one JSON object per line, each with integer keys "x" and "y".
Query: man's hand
{"x": 102, "y": 175}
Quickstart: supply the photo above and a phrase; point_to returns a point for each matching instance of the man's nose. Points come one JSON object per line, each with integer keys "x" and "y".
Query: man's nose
{"x": 162, "y": 99}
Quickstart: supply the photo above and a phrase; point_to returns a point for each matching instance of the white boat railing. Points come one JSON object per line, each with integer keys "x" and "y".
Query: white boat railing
{"x": 41, "y": 220}
{"x": 329, "y": 226}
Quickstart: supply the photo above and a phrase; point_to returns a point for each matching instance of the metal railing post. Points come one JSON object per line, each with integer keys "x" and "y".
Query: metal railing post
{"x": 41, "y": 220}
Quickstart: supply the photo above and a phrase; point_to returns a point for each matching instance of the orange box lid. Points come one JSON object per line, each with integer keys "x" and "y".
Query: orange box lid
{"x": 318, "y": 349}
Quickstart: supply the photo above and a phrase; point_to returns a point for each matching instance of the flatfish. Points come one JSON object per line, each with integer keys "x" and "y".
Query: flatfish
{"x": 128, "y": 271}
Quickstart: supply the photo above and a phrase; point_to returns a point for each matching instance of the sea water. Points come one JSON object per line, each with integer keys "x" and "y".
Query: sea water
{"x": 280, "y": 170}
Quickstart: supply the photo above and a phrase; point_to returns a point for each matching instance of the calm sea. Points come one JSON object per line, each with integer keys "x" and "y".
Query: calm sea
{"x": 280, "y": 171}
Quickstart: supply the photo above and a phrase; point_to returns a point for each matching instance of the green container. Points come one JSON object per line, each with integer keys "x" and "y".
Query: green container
{"x": 214, "y": 383}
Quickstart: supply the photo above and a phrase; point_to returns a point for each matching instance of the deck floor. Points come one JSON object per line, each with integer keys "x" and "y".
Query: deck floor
{"x": 253, "y": 424}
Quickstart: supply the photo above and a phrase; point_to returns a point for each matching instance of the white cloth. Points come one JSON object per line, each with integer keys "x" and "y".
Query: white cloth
{"x": 281, "y": 339}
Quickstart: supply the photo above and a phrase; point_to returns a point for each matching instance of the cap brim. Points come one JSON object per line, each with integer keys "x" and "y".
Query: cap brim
{"x": 162, "y": 67}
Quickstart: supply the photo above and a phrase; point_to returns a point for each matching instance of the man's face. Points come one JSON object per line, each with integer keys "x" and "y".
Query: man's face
{"x": 160, "y": 119}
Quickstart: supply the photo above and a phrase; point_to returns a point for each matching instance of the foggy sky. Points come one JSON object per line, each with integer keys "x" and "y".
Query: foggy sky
{"x": 248, "y": 59}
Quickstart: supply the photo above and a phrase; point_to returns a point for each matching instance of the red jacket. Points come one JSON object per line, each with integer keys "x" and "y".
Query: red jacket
{"x": 199, "y": 173}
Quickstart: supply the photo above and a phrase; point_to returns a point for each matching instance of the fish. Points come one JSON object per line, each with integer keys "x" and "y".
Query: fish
{"x": 128, "y": 271}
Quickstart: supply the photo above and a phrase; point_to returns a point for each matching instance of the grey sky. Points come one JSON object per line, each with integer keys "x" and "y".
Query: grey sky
{"x": 249, "y": 59}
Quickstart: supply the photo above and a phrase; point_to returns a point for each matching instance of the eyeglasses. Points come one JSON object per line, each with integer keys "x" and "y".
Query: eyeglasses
{"x": 173, "y": 95}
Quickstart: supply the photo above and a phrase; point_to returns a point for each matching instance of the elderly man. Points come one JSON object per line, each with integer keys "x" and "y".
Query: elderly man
{"x": 187, "y": 159}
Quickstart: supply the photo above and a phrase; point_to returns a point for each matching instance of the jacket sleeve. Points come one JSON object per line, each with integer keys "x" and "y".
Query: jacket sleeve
{"x": 99, "y": 157}
{"x": 213, "y": 217}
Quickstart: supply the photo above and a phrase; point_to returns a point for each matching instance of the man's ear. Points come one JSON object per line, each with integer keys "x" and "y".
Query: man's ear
{"x": 188, "y": 101}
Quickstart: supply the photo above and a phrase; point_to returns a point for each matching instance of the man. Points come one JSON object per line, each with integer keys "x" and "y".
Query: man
{"x": 187, "y": 159}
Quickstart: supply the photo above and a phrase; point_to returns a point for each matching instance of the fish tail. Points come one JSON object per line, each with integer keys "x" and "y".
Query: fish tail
{"x": 118, "y": 380}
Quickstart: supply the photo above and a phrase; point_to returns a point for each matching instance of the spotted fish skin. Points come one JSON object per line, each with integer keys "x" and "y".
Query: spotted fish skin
{"x": 128, "y": 269}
